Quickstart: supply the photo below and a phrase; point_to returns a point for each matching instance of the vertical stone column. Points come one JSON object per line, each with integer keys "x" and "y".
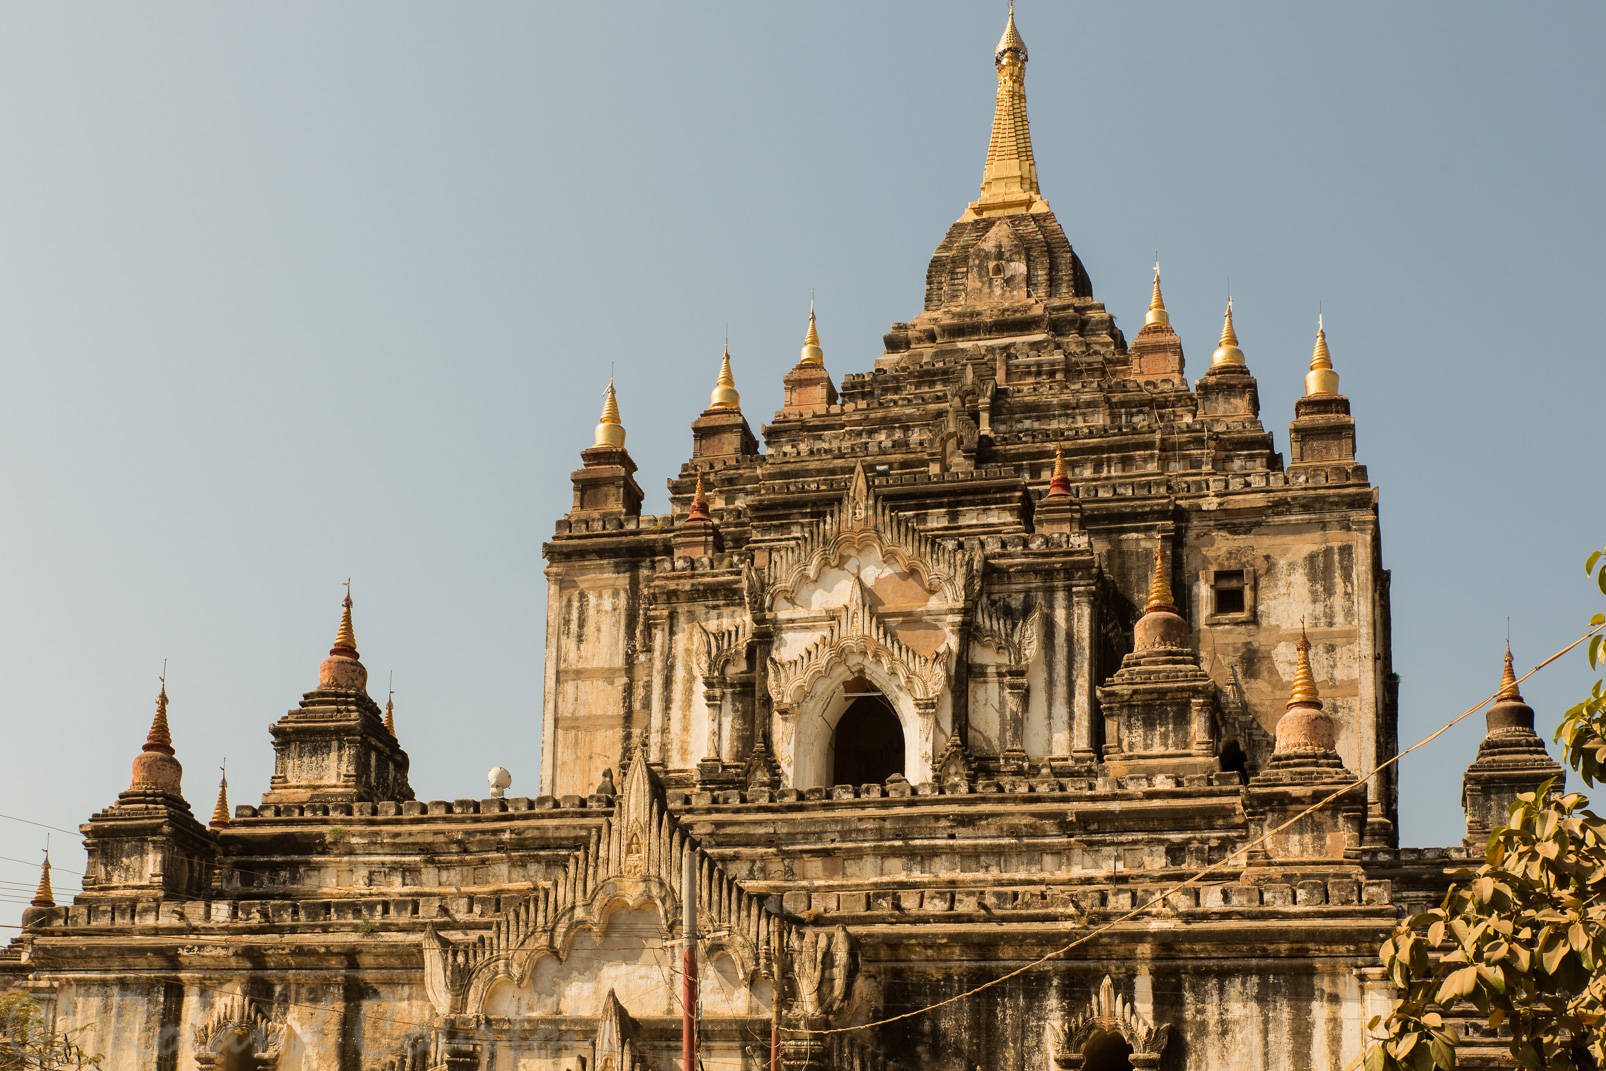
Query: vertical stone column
{"x": 1203, "y": 727}
{"x": 660, "y": 689}
{"x": 714, "y": 691}
{"x": 926, "y": 710}
{"x": 1013, "y": 758}
{"x": 1082, "y": 749}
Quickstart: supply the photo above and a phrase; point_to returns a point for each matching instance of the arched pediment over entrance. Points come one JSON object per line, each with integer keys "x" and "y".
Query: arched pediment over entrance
{"x": 858, "y": 524}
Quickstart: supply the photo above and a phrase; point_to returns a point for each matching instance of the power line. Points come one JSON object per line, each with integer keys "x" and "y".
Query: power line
{"x": 42, "y": 825}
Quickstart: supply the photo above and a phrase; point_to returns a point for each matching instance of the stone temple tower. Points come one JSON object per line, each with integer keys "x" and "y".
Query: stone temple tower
{"x": 1012, "y": 702}
{"x": 944, "y": 557}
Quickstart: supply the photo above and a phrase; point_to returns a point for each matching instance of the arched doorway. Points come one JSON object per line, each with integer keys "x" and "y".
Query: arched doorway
{"x": 236, "y": 1053}
{"x": 867, "y": 747}
{"x": 1106, "y": 1050}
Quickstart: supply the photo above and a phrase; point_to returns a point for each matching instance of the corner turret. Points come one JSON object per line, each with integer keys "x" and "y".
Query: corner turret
{"x": 334, "y": 748}
{"x": 1322, "y": 431}
{"x": 605, "y": 483}
{"x": 1511, "y": 760}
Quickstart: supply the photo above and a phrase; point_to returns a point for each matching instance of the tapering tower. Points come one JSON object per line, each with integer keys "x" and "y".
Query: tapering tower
{"x": 945, "y": 555}
{"x": 1007, "y": 247}
{"x": 334, "y": 747}
{"x": 1511, "y": 760}
{"x": 721, "y": 430}
{"x": 149, "y": 844}
{"x": 605, "y": 483}
{"x": 1322, "y": 432}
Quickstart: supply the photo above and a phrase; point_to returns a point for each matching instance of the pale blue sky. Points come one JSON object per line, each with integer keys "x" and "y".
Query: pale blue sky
{"x": 296, "y": 292}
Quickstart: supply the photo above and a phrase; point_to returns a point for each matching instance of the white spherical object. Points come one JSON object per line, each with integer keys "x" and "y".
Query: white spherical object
{"x": 499, "y": 779}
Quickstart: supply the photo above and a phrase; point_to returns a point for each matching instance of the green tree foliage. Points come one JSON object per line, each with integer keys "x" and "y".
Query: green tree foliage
{"x": 1521, "y": 941}
{"x": 30, "y": 1042}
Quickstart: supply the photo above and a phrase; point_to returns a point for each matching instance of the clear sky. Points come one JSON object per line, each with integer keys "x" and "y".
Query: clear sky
{"x": 296, "y": 292}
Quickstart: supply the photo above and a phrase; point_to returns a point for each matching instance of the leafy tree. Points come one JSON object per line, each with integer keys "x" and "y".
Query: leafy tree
{"x": 1521, "y": 941}
{"x": 30, "y": 1042}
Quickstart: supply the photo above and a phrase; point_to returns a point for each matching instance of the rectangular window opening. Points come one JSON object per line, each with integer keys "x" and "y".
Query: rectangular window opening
{"x": 1229, "y": 591}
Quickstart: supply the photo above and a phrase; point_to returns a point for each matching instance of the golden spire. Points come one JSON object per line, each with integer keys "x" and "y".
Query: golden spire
{"x": 159, "y": 738}
{"x": 390, "y": 711}
{"x": 1059, "y": 484}
{"x": 1160, "y": 597}
{"x": 1304, "y": 693}
{"x": 1321, "y": 379}
{"x": 1009, "y": 181}
{"x": 1157, "y": 313}
{"x": 812, "y": 354}
{"x": 724, "y": 395}
{"x": 609, "y": 431}
{"x": 220, "y": 813}
{"x": 345, "y": 638}
{"x": 1508, "y": 684}
{"x": 43, "y": 896}
{"x": 1227, "y": 352}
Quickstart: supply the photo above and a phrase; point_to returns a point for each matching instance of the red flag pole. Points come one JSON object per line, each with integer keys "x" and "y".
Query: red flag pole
{"x": 688, "y": 963}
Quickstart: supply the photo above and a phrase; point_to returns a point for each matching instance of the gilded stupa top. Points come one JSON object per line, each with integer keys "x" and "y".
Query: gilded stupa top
{"x": 1009, "y": 181}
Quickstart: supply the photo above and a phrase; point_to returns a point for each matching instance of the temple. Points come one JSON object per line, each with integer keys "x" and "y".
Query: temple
{"x": 969, "y": 661}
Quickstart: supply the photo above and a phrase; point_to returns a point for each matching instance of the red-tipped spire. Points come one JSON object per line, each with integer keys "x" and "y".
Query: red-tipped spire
{"x": 699, "y": 503}
{"x": 159, "y": 738}
{"x": 1060, "y": 484}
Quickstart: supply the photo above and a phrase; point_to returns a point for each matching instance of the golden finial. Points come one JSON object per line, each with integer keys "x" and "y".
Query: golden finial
{"x": 390, "y": 707}
{"x": 159, "y": 738}
{"x": 1508, "y": 683}
{"x": 345, "y": 638}
{"x": 1060, "y": 483}
{"x": 43, "y": 896}
{"x": 220, "y": 813}
{"x": 1321, "y": 379}
{"x": 1227, "y": 352}
{"x": 1157, "y": 313}
{"x": 609, "y": 431}
{"x": 1160, "y": 597}
{"x": 1011, "y": 38}
{"x": 812, "y": 354}
{"x": 1304, "y": 693}
{"x": 724, "y": 395}
{"x": 1009, "y": 181}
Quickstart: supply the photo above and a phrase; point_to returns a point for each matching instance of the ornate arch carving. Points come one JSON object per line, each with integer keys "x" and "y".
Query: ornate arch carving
{"x": 856, "y": 629}
{"x": 239, "y": 1025}
{"x": 859, "y": 520}
{"x": 721, "y": 645}
{"x": 1111, "y": 1014}
{"x": 1017, "y": 639}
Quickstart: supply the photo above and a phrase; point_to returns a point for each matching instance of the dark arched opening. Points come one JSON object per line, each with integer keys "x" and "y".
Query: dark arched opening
{"x": 235, "y": 1053}
{"x": 867, "y": 747}
{"x": 1106, "y": 1051}
{"x": 1234, "y": 760}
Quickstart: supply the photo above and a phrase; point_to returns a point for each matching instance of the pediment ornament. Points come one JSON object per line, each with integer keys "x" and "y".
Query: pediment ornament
{"x": 1110, "y": 1013}
{"x": 861, "y": 519}
{"x": 1016, "y": 637}
{"x": 856, "y": 629}
{"x": 239, "y": 1025}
